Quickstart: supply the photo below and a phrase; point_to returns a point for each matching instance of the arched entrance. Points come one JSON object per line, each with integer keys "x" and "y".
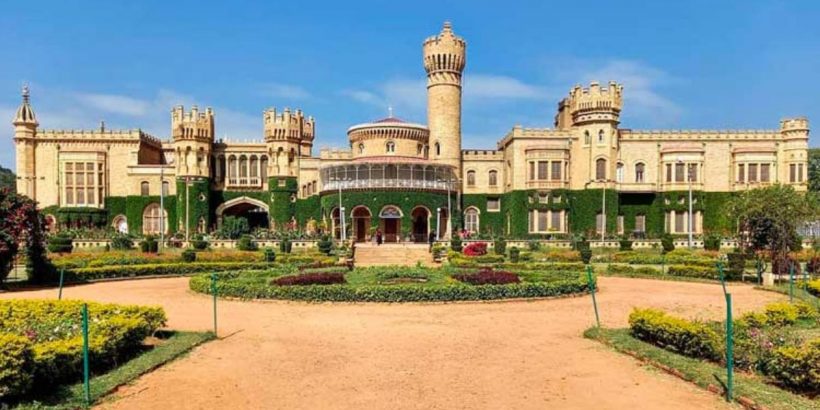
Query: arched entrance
{"x": 253, "y": 210}
{"x": 421, "y": 223}
{"x": 120, "y": 224}
{"x": 361, "y": 223}
{"x": 391, "y": 223}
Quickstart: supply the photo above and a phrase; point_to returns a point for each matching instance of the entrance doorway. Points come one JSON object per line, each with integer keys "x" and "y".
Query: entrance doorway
{"x": 391, "y": 223}
{"x": 361, "y": 224}
{"x": 252, "y": 210}
{"x": 421, "y": 222}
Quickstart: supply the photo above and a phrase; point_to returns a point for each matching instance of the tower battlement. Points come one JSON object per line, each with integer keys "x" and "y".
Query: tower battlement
{"x": 192, "y": 124}
{"x": 445, "y": 52}
{"x": 288, "y": 125}
{"x": 794, "y": 128}
{"x": 594, "y": 103}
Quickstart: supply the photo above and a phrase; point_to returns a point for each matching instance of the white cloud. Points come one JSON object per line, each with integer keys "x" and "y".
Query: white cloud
{"x": 287, "y": 91}
{"x": 498, "y": 86}
{"x": 116, "y": 104}
{"x": 365, "y": 97}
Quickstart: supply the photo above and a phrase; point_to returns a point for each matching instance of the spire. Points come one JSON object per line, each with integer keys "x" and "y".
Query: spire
{"x": 25, "y": 114}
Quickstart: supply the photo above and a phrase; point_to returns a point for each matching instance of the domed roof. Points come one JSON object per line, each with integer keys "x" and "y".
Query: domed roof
{"x": 387, "y": 122}
{"x": 25, "y": 114}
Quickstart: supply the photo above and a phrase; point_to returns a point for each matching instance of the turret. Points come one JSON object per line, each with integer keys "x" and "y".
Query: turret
{"x": 289, "y": 135}
{"x": 594, "y": 104}
{"x": 25, "y": 131}
{"x": 445, "y": 56}
{"x": 193, "y": 135}
{"x": 794, "y": 128}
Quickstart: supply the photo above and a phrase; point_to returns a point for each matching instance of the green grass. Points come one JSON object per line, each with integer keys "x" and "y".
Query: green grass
{"x": 704, "y": 373}
{"x": 70, "y": 397}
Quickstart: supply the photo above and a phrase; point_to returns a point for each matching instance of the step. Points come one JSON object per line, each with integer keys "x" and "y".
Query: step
{"x": 392, "y": 254}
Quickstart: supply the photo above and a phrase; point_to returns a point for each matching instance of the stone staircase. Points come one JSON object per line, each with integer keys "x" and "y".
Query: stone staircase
{"x": 368, "y": 254}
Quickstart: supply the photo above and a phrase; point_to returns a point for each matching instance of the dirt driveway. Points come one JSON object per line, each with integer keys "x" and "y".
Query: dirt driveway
{"x": 503, "y": 355}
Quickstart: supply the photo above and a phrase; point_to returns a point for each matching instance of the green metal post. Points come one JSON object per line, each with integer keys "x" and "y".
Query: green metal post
{"x": 592, "y": 291}
{"x": 86, "y": 385}
{"x": 60, "y": 293}
{"x": 720, "y": 275}
{"x": 730, "y": 345}
{"x": 213, "y": 290}
{"x": 791, "y": 282}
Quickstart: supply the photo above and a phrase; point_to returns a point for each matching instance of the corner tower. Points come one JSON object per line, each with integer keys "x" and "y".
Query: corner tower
{"x": 288, "y": 135}
{"x": 193, "y": 137}
{"x": 445, "y": 56}
{"x": 25, "y": 129}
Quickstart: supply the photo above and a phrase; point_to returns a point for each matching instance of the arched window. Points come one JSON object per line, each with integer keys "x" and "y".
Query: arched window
{"x": 120, "y": 224}
{"x": 438, "y": 149}
{"x": 493, "y": 178}
{"x": 619, "y": 172}
{"x": 152, "y": 218}
{"x": 639, "y": 168}
{"x": 263, "y": 167}
{"x": 600, "y": 136}
{"x": 471, "y": 220}
{"x": 587, "y": 139}
{"x": 600, "y": 169}
{"x": 470, "y": 178}
{"x": 391, "y": 146}
{"x": 144, "y": 188}
{"x": 361, "y": 148}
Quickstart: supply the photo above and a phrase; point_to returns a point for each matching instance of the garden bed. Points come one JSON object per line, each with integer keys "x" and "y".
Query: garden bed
{"x": 387, "y": 284}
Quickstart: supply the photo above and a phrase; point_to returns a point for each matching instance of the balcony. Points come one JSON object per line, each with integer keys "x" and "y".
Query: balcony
{"x": 243, "y": 182}
{"x": 389, "y": 176}
{"x": 546, "y": 184}
{"x": 638, "y": 187}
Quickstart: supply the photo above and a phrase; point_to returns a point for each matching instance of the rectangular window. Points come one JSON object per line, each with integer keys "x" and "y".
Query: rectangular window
{"x": 79, "y": 178}
{"x": 693, "y": 172}
{"x": 531, "y": 220}
{"x": 542, "y": 170}
{"x": 799, "y": 172}
{"x": 620, "y": 223}
{"x": 556, "y": 170}
{"x": 741, "y": 173}
{"x": 555, "y": 222}
{"x": 542, "y": 221}
{"x": 90, "y": 196}
{"x": 792, "y": 173}
{"x": 752, "y": 172}
{"x": 80, "y": 196}
{"x": 640, "y": 223}
{"x": 679, "y": 225}
{"x": 599, "y": 222}
{"x": 493, "y": 204}
{"x": 69, "y": 196}
{"x": 764, "y": 172}
{"x": 679, "y": 170}
{"x": 532, "y": 170}
{"x": 668, "y": 172}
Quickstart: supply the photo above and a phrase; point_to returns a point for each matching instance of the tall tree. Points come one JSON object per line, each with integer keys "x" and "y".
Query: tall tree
{"x": 814, "y": 169}
{"x": 7, "y": 179}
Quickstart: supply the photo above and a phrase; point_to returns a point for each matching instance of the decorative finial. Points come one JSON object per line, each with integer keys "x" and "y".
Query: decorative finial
{"x": 389, "y": 111}
{"x": 102, "y": 126}
{"x": 447, "y": 26}
{"x": 25, "y": 92}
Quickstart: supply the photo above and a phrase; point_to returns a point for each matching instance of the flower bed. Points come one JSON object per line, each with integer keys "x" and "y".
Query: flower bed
{"x": 694, "y": 339}
{"x": 41, "y": 341}
{"x": 487, "y": 276}
{"x": 310, "y": 278}
{"x": 476, "y": 249}
{"x": 119, "y": 258}
{"x": 108, "y": 272}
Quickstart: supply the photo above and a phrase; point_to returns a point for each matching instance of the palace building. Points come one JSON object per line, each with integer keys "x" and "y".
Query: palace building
{"x": 585, "y": 174}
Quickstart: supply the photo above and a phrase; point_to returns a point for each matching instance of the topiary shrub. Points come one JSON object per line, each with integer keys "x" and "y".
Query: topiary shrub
{"x": 586, "y": 255}
{"x": 668, "y": 243}
{"x": 149, "y": 245}
{"x": 246, "y": 243}
{"x": 487, "y": 276}
{"x": 285, "y": 245}
{"x": 270, "y": 255}
{"x": 515, "y": 254}
{"x": 625, "y": 244}
{"x": 693, "y": 339}
{"x": 60, "y": 243}
{"x": 199, "y": 243}
{"x": 325, "y": 245}
{"x": 500, "y": 246}
{"x": 455, "y": 243}
{"x": 122, "y": 241}
{"x": 188, "y": 255}
{"x": 711, "y": 242}
{"x": 313, "y": 278}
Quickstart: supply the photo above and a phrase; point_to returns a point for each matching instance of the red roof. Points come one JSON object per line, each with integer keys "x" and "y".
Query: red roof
{"x": 389, "y": 119}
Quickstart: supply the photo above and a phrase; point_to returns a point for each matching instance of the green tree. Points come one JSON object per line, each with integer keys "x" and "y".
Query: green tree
{"x": 8, "y": 179}
{"x": 768, "y": 218}
{"x": 234, "y": 227}
{"x": 814, "y": 169}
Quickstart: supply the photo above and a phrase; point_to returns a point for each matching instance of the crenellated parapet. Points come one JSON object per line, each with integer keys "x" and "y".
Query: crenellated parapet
{"x": 795, "y": 128}
{"x": 293, "y": 126}
{"x": 445, "y": 56}
{"x": 594, "y": 104}
{"x": 192, "y": 125}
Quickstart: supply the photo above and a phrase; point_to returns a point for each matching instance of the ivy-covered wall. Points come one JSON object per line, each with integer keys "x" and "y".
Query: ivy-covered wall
{"x": 196, "y": 192}
{"x": 308, "y": 208}
{"x": 282, "y": 199}
{"x": 133, "y": 206}
{"x": 376, "y": 200}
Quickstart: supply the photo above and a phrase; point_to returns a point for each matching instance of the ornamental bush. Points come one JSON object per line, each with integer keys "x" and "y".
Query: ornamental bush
{"x": 149, "y": 245}
{"x": 310, "y": 278}
{"x": 16, "y": 366}
{"x": 121, "y": 241}
{"x": 188, "y": 255}
{"x": 798, "y": 367}
{"x": 813, "y": 287}
{"x": 711, "y": 242}
{"x": 269, "y": 255}
{"x": 515, "y": 254}
{"x": 693, "y": 339}
{"x": 813, "y": 265}
{"x": 455, "y": 243}
{"x": 488, "y": 276}
{"x": 325, "y": 245}
{"x": 781, "y": 265}
{"x": 627, "y": 270}
{"x": 500, "y": 246}
{"x": 60, "y": 243}
{"x": 285, "y": 245}
{"x": 625, "y": 244}
{"x": 475, "y": 249}
{"x": 737, "y": 265}
{"x": 124, "y": 271}
{"x": 199, "y": 243}
{"x": 668, "y": 243}
{"x": 246, "y": 243}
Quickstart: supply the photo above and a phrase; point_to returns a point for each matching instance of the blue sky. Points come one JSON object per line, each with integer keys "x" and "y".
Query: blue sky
{"x": 694, "y": 64}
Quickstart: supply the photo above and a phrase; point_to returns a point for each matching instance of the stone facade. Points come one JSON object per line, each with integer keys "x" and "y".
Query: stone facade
{"x": 584, "y": 174}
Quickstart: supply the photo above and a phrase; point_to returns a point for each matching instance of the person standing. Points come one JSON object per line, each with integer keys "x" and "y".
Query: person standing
{"x": 431, "y": 239}
{"x": 379, "y": 236}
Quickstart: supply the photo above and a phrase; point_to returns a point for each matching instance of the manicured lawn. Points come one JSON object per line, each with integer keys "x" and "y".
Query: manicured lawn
{"x": 704, "y": 373}
{"x": 169, "y": 347}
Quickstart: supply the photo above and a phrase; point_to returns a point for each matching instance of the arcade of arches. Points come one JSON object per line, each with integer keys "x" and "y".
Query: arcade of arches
{"x": 396, "y": 226}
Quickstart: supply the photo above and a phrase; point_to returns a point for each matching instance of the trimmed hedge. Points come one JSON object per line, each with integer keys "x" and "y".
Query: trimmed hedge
{"x": 798, "y": 367}
{"x": 487, "y": 276}
{"x": 41, "y": 343}
{"x": 123, "y": 271}
{"x": 693, "y": 271}
{"x": 310, "y": 278}
{"x": 385, "y": 293}
{"x": 693, "y": 339}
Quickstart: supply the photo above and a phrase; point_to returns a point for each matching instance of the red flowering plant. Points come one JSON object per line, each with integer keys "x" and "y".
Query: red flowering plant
{"x": 311, "y": 278}
{"x": 488, "y": 276}
{"x": 476, "y": 249}
{"x": 21, "y": 223}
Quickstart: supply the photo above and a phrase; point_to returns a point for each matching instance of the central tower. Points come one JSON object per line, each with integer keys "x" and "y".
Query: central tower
{"x": 445, "y": 56}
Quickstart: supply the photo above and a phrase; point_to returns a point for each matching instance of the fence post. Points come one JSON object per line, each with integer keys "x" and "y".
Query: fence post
{"x": 62, "y": 276}
{"x": 791, "y": 282}
{"x": 213, "y": 290}
{"x": 592, "y": 291}
{"x": 730, "y": 354}
{"x": 86, "y": 385}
